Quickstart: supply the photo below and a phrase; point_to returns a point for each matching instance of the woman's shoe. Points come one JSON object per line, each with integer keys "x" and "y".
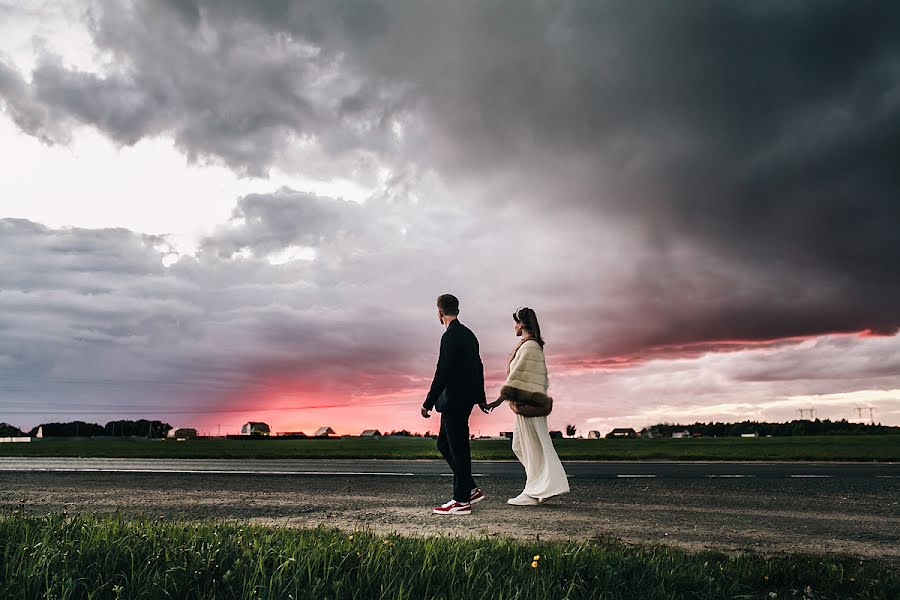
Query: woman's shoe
{"x": 523, "y": 499}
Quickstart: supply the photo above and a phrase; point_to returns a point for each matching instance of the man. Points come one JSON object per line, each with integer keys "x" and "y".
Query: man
{"x": 458, "y": 386}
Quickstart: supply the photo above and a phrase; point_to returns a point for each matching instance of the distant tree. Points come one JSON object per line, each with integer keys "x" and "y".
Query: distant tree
{"x": 7, "y": 430}
{"x": 71, "y": 429}
{"x": 570, "y": 430}
{"x": 401, "y": 433}
{"x": 139, "y": 428}
{"x": 796, "y": 427}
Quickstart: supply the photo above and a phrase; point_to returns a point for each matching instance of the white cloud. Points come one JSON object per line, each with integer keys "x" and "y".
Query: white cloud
{"x": 148, "y": 187}
{"x": 292, "y": 253}
{"x": 31, "y": 27}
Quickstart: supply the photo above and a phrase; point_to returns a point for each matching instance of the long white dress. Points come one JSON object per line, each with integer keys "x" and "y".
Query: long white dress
{"x": 544, "y": 473}
{"x": 532, "y": 445}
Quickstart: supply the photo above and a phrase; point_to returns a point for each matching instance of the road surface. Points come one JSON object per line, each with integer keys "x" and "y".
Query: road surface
{"x": 431, "y": 468}
{"x": 834, "y": 508}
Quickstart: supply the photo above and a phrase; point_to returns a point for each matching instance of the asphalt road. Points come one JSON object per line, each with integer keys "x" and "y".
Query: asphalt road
{"x": 836, "y": 508}
{"x": 433, "y": 468}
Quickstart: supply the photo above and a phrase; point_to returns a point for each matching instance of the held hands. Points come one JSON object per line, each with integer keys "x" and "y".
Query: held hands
{"x": 486, "y": 407}
{"x": 426, "y": 413}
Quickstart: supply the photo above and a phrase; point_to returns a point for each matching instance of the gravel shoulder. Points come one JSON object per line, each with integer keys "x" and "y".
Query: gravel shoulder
{"x": 835, "y": 516}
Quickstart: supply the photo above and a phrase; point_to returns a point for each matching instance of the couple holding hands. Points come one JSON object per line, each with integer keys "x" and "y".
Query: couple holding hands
{"x": 458, "y": 386}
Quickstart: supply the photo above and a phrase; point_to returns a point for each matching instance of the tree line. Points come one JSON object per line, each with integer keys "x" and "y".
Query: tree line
{"x": 139, "y": 428}
{"x": 797, "y": 427}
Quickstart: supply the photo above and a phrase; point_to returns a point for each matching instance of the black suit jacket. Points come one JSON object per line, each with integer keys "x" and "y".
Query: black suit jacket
{"x": 458, "y": 383}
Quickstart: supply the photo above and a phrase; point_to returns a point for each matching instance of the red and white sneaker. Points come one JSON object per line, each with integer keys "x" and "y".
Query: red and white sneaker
{"x": 477, "y": 496}
{"x": 454, "y": 508}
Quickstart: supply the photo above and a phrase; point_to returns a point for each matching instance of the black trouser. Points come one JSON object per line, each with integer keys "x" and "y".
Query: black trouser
{"x": 453, "y": 444}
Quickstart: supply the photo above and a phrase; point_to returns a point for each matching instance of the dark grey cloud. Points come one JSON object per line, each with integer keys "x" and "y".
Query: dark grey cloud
{"x": 93, "y": 316}
{"x": 236, "y": 92}
{"x": 92, "y": 319}
{"x": 269, "y": 223}
{"x": 684, "y": 174}
{"x": 32, "y": 116}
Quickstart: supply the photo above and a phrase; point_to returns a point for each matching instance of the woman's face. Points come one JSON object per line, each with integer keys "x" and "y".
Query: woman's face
{"x": 517, "y": 327}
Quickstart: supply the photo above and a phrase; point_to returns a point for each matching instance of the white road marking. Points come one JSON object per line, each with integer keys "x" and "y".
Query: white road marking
{"x": 730, "y": 476}
{"x": 473, "y": 474}
{"x": 635, "y": 476}
{"x": 888, "y": 476}
{"x": 810, "y": 476}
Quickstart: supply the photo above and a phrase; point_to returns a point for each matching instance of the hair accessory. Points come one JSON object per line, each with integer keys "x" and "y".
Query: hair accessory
{"x": 518, "y": 312}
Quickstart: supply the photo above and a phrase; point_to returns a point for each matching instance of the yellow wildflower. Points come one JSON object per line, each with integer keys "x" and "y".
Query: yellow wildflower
{"x": 534, "y": 564}
{"x": 537, "y": 557}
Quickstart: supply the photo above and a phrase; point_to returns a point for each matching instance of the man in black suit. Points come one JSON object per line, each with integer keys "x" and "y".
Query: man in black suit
{"x": 458, "y": 386}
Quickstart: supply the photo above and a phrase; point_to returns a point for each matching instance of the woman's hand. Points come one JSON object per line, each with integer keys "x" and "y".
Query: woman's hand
{"x": 486, "y": 407}
{"x": 497, "y": 402}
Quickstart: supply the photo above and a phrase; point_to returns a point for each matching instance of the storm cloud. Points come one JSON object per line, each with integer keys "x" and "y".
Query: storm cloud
{"x": 661, "y": 181}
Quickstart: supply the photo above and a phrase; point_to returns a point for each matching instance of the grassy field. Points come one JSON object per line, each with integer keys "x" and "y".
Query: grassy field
{"x": 61, "y": 557}
{"x": 836, "y": 448}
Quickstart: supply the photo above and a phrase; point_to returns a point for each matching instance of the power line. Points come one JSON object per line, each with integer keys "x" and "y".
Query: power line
{"x": 859, "y": 412}
{"x": 811, "y": 411}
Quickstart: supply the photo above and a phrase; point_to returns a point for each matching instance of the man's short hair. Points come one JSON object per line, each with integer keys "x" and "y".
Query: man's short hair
{"x": 449, "y": 304}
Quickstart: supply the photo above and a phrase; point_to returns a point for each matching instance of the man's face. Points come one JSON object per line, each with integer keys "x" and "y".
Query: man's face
{"x": 440, "y": 316}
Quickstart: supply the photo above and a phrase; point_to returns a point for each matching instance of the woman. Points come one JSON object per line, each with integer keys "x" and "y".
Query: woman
{"x": 526, "y": 392}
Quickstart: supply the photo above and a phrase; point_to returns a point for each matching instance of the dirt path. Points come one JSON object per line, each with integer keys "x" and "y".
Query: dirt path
{"x": 838, "y": 516}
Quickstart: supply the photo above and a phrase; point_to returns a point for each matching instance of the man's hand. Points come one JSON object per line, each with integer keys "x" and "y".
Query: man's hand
{"x": 426, "y": 413}
{"x": 485, "y": 408}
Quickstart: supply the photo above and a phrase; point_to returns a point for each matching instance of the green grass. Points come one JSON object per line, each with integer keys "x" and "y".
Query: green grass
{"x": 61, "y": 557}
{"x": 827, "y": 448}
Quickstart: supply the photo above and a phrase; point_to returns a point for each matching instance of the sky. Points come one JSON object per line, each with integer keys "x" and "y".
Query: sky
{"x": 217, "y": 211}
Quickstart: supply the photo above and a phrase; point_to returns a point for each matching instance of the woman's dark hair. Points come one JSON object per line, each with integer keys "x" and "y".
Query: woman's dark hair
{"x": 448, "y": 304}
{"x": 529, "y": 321}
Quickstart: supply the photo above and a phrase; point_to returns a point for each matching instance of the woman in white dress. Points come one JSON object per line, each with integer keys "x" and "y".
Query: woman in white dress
{"x": 525, "y": 391}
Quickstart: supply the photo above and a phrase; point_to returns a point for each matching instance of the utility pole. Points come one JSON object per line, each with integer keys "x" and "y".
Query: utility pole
{"x": 803, "y": 411}
{"x": 859, "y": 413}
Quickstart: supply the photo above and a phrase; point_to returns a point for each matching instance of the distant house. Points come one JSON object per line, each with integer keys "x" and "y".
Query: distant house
{"x": 40, "y": 432}
{"x": 750, "y": 435}
{"x": 370, "y": 433}
{"x": 650, "y": 432}
{"x": 681, "y": 434}
{"x": 594, "y": 435}
{"x": 292, "y": 434}
{"x": 507, "y": 434}
{"x": 182, "y": 433}
{"x": 556, "y": 434}
{"x": 324, "y": 432}
{"x": 622, "y": 432}
{"x": 252, "y": 428}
